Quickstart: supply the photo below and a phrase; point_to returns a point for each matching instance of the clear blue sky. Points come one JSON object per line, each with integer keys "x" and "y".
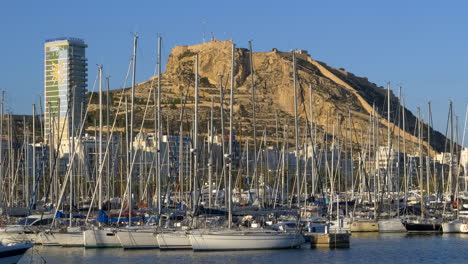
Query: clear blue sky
{"x": 421, "y": 45}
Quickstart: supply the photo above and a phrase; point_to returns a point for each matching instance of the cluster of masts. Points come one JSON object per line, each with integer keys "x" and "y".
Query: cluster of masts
{"x": 216, "y": 174}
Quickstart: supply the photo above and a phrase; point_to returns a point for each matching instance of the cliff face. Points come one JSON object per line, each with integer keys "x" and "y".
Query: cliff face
{"x": 341, "y": 102}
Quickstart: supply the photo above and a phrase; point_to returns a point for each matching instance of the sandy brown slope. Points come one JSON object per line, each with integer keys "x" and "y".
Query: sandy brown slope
{"x": 336, "y": 93}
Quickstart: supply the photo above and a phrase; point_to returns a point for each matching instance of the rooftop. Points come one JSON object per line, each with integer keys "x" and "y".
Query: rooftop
{"x": 69, "y": 39}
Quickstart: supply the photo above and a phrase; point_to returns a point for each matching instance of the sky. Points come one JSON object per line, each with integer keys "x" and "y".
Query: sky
{"x": 421, "y": 46}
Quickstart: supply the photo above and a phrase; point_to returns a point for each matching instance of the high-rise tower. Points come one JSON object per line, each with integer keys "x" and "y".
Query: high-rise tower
{"x": 66, "y": 75}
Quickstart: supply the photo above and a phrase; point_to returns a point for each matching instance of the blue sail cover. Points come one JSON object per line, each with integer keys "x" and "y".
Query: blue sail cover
{"x": 105, "y": 219}
{"x": 60, "y": 215}
{"x": 67, "y": 215}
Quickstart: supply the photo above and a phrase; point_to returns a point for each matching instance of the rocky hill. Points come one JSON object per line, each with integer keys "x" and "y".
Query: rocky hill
{"x": 337, "y": 96}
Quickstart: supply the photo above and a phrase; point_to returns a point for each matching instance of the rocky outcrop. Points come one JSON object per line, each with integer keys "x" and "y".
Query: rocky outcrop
{"x": 341, "y": 101}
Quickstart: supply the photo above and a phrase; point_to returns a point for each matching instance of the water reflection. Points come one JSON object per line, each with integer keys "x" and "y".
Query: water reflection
{"x": 364, "y": 248}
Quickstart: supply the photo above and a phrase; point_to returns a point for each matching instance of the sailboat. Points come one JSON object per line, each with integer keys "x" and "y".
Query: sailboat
{"x": 130, "y": 237}
{"x": 421, "y": 223}
{"x": 367, "y": 224}
{"x": 393, "y": 224}
{"x": 460, "y": 224}
{"x": 230, "y": 239}
{"x": 244, "y": 240}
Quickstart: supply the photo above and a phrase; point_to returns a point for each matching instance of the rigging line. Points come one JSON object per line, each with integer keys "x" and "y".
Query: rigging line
{"x": 107, "y": 146}
{"x": 464, "y": 128}
{"x": 64, "y": 183}
{"x": 127, "y": 191}
{"x": 58, "y": 148}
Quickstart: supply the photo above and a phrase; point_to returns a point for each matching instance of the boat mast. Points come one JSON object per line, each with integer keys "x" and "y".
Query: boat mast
{"x": 159, "y": 131}
{"x": 127, "y": 146}
{"x": 450, "y": 177}
{"x": 223, "y": 148}
{"x": 108, "y": 194}
{"x": 72, "y": 155}
{"x": 351, "y": 152}
{"x": 210, "y": 157}
{"x": 195, "y": 140}
{"x": 421, "y": 184}
{"x": 284, "y": 187}
{"x": 231, "y": 134}
{"x": 312, "y": 170}
{"x": 33, "y": 200}
{"x": 389, "y": 160}
{"x": 296, "y": 128}
{"x": 436, "y": 182}
{"x": 332, "y": 172}
{"x": 25, "y": 148}
{"x": 132, "y": 121}
{"x": 463, "y": 144}
{"x": 277, "y": 157}
{"x": 51, "y": 153}
{"x": 405, "y": 173}
{"x": 254, "y": 121}
{"x": 428, "y": 158}
{"x": 181, "y": 151}
{"x": 100, "y": 141}
{"x": 398, "y": 157}
{"x": 375, "y": 158}
{"x": 277, "y": 134}
{"x": 57, "y": 143}
{"x": 346, "y": 159}
{"x": 452, "y": 155}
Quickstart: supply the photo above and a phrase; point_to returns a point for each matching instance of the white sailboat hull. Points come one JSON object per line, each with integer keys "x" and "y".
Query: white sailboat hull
{"x": 12, "y": 237}
{"x": 137, "y": 239}
{"x": 452, "y": 227}
{"x": 391, "y": 226}
{"x": 100, "y": 239}
{"x": 245, "y": 240}
{"x": 463, "y": 228}
{"x": 175, "y": 240}
{"x": 66, "y": 239}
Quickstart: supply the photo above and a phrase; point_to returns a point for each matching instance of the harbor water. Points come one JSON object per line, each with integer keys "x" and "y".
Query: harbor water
{"x": 365, "y": 248}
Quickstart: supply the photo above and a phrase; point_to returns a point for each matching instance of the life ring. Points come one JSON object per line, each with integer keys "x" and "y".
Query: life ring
{"x": 455, "y": 204}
